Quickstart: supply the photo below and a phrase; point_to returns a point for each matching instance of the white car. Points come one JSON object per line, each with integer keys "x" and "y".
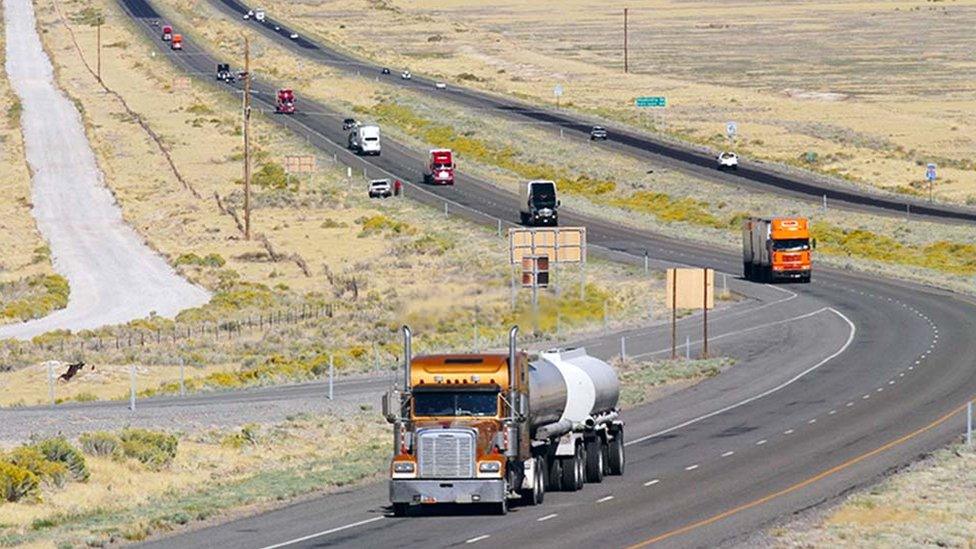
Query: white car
{"x": 249, "y": 14}
{"x": 440, "y": 86}
{"x": 259, "y": 16}
{"x": 294, "y": 36}
{"x": 728, "y": 160}
{"x": 406, "y": 75}
{"x": 380, "y": 188}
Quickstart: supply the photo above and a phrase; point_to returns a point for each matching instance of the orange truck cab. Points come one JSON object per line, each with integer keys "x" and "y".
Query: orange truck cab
{"x": 176, "y": 42}
{"x": 776, "y": 249}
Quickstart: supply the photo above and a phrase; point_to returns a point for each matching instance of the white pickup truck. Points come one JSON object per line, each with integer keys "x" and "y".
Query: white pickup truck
{"x": 728, "y": 160}
{"x": 380, "y": 188}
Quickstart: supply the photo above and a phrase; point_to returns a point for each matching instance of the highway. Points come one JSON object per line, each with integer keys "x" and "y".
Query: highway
{"x": 751, "y": 175}
{"x": 852, "y": 377}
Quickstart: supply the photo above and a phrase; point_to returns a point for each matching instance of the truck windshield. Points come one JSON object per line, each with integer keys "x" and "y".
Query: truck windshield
{"x": 544, "y": 195}
{"x": 455, "y": 403}
{"x": 442, "y": 166}
{"x": 791, "y": 245}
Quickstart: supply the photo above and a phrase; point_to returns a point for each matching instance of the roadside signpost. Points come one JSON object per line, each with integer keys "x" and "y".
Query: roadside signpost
{"x": 558, "y": 92}
{"x": 731, "y": 128}
{"x": 930, "y": 176}
{"x": 651, "y": 102}
{"x": 690, "y": 288}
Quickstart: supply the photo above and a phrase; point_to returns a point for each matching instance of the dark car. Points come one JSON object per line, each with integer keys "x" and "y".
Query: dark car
{"x": 224, "y": 73}
{"x": 385, "y": 70}
{"x": 598, "y": 133}
{"x": 349, "y": 123}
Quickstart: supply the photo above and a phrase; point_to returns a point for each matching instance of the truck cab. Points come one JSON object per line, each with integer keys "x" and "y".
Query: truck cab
{"x": 167, "y": 33}
{"x": 776, "y": 249}
{"x": 224, "y": 73}
{"x": 539, "y": 204}
{"x": 440, "y": 167}
{"x": 489, "y": 428}
{"x": 285, "y": 102}
{"x": 365, "y": 140}
{"x": 176, "y": 42}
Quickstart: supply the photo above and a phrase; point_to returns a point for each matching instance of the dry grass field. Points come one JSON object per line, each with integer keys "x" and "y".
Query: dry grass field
{"x": 875, "y": 90}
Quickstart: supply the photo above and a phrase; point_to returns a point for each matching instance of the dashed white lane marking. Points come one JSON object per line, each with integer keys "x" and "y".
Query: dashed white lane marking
{"x": 911, "y": 367}
{"x": 691, "y": 467}
{"x": 812, "y": 421}
{"x": 652, "y": 482}
{"x": 761, "y": 442}
{"x": 607, "y": 498}
{"x": 865, "y": 397}
{"x": 324, "y": 533}
{"x": 547, "y": 517}
{"x": 850, "y": 339}
{"x": 727, "y": 454}
{"x": 832, "y": 412}
{"x": 479, "y": 538}
{"x": 891, "y": 382}
{"x": 788, "y": 432}
{"x": 901, "y": 374}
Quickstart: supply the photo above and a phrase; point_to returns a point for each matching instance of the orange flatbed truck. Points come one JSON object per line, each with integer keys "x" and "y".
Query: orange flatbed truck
{"x": 776, "y": 249}
{"x": 484, "y": 429}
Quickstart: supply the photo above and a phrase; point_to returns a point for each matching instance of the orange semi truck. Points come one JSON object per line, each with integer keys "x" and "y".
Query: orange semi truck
{"x": 487, "y": 428}
{"x": 775, "y": 249}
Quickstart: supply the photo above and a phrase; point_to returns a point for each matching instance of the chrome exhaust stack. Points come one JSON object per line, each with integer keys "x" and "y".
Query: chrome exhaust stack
{"x": 407, "y": 357}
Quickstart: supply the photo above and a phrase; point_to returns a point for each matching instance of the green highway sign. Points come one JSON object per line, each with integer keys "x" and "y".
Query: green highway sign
{"x": 653, "y": 101}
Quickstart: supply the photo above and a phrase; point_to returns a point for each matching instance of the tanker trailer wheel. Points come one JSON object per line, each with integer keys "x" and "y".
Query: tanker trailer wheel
{"x": 572, "y": 478}
{"x": 555, "y": 474}
{"x": 616, "y": 453}
{"x": 594, "y": 460}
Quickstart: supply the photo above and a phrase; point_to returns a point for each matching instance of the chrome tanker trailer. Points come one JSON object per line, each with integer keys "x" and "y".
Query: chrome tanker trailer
{"x": 487, "y": 428}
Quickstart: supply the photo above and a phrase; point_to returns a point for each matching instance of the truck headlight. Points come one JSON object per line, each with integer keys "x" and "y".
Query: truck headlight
{"x": 489, "y": 467}
{"x": 404, "y": 467}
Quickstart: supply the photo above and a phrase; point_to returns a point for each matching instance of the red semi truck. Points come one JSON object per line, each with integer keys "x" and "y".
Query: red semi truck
{"x": 167, "y": 33}
{"x": 285, "y": 102}
{"x": 440, "y": 167}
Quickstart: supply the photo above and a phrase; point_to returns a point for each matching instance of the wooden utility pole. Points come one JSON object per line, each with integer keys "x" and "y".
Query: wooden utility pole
{"x": 98, "y": 49}
{"x": 626, "y": 64}
{"x": 247, "y": 138}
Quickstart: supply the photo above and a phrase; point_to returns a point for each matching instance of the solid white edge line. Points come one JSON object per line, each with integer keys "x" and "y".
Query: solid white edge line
{"x": 479, "y": 538}
{"x": 850, "y": 339}
{"x": 323, "y": 533}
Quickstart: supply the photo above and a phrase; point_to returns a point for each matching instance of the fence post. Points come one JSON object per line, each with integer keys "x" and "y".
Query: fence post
{"x": 623, "y": 348}
{"x": 182, "y": 379}
{"x": 687, "y": 347}
{"x": 50, "y": 381}
{"x": 376, "y": 359}
{"x": 132, "y": 387}
{"x": 605, "y": 320}
{"x": 331, "y": 375}
{"x": 445, "y": 209}
{"x": 969, "y": 424}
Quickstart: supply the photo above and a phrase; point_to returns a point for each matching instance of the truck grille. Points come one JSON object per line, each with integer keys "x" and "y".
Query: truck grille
{"x": 446, "y": 453}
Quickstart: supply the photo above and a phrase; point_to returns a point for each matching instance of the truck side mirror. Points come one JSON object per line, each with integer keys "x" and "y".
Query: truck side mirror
{"x": 559, "y": 203}
{"x": 391, "y": 406}
{"x": 814, "y": 243}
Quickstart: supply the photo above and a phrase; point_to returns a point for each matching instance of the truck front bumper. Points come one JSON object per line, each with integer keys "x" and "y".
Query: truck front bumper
{"x": 447, "y": 491}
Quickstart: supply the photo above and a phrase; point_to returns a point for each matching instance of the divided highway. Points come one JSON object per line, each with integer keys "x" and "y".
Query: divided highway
{"x": 753, "y": 175}
{"x": 836, "y": 385}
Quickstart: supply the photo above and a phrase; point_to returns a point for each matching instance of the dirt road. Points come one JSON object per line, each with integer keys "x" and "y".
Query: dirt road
{"x": 114, "y": 276}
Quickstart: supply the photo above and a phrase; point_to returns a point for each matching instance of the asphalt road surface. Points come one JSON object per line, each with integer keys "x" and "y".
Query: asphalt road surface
{"x": 751, "y": 175}
{"x": 860, "y": 376}
{"x": 114, "y": 277}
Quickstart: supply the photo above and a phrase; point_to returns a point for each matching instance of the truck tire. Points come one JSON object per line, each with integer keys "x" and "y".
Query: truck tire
{"x": 617, "y": 459}
{"x": 500, "y": 508}
{"x": 555, "y": 474}
{"x": 747, "y": 270}
{"x": 522, "y": 219}
{"x": 572, "y": 477}
{"x": 594, "y": 460}
{"x": 401, "y": 509}
{"x": 537, "y": 494}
